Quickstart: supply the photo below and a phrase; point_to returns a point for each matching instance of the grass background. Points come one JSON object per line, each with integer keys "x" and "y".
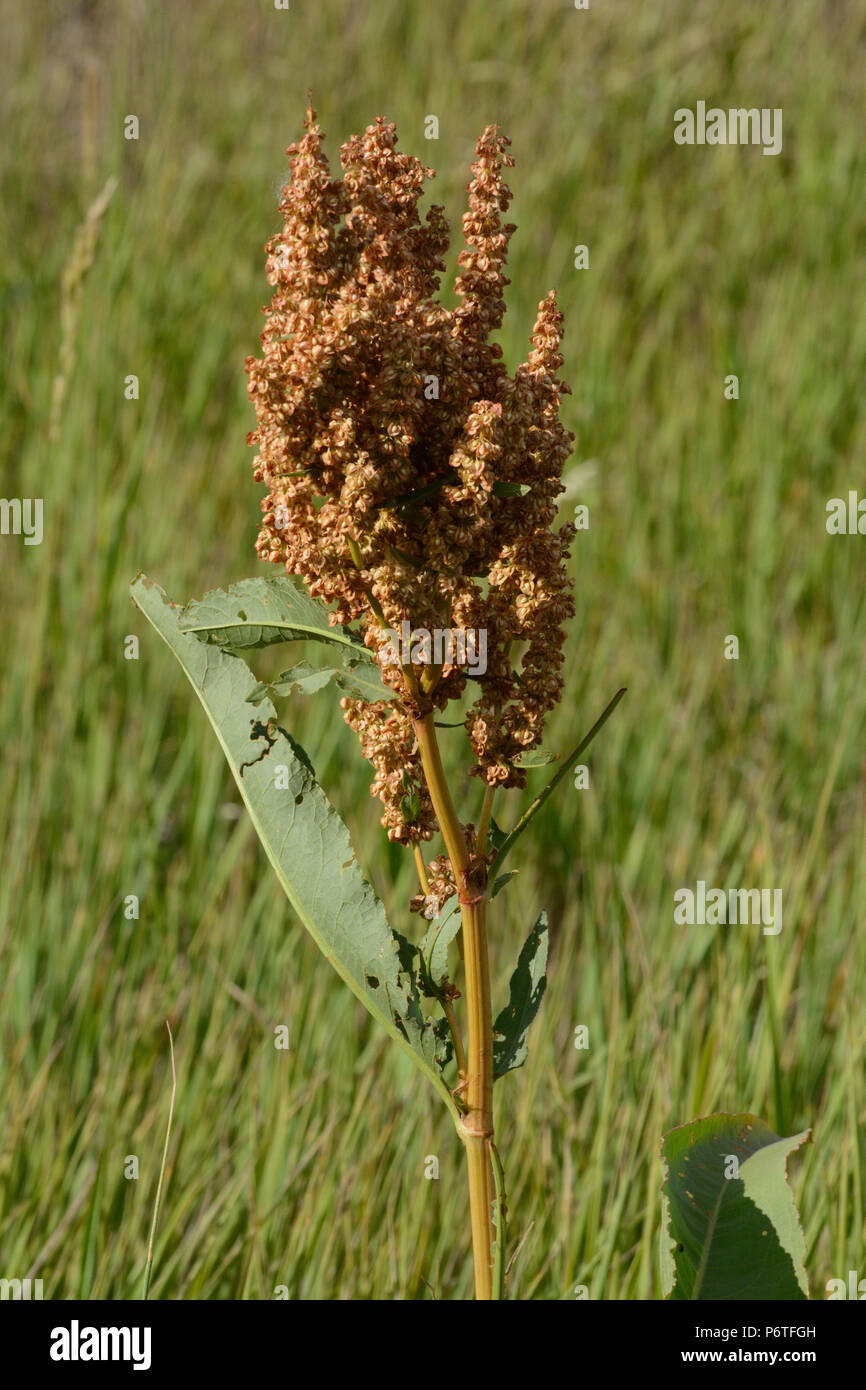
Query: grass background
{"x": 707, "y": 517}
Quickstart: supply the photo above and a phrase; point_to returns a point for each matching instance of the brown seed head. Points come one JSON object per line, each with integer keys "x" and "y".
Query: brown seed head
{"x": 388, "y": 426}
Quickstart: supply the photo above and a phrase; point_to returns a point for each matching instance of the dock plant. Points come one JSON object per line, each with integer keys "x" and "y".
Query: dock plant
{"x": 410, "y": 527}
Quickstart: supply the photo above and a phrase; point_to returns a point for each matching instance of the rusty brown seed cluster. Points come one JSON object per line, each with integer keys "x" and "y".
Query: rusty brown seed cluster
{"x": 409, "y": 476}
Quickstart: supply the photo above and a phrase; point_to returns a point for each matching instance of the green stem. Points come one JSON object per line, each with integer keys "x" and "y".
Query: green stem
{"x": 459, "y": 1053}
{"x": 486, "y": 813}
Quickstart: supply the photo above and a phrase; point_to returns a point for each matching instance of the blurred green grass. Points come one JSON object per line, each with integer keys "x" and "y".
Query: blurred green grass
{"x": 305, "y": 1168}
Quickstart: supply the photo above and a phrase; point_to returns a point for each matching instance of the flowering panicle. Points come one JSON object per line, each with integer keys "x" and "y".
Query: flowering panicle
{"x": 409, "y": 476}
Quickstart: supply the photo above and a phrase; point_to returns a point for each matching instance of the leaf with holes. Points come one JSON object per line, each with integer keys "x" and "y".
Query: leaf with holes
{"x": 304, "y": 838}
{"x": 525, "y": 993}
{"x": 259, "y": 612}
{"x": 730, "y": 1229}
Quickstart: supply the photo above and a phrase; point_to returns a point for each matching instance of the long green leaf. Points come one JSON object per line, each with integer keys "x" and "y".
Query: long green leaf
{"x": 304, "y": 838}
{"x": 259, "y": 612}
{"x": 532, "y": 810}
{"x": 730, "y": 1228}
{"x": 525, "y": 993}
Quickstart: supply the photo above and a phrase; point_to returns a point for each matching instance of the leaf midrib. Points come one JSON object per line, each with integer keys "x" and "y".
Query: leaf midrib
{"x": 322, "y": 634}
{"x": 705, "y": 1253}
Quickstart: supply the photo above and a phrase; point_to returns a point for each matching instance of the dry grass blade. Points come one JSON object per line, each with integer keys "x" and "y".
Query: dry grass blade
{"x": 157, "y": 1200}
